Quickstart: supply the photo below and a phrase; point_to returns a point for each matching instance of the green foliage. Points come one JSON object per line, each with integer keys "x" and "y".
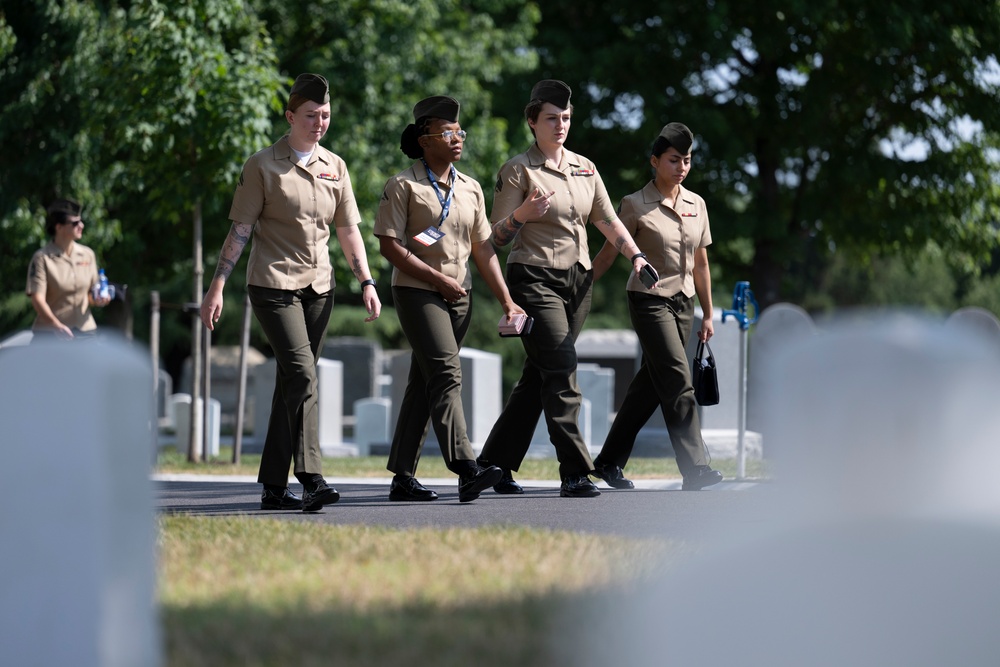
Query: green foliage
{"x": 847, "y": 150}
{"x": 821, "y": 125}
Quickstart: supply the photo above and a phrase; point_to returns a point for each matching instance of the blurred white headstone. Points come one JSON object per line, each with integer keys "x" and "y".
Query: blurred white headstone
{"x": 882, "y": 538}
{"x": 77, "y": 549}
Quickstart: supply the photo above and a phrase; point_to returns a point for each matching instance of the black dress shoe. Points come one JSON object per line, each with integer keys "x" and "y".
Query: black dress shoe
{"x": 279, "y": 500}
{"x": 408, "y": 489}
{"x": 701, "y": 477}
{"x": 578, "y": 486}
{"x": 507, "y": 485}
{"x": 614, "y": 476}
{"x": 469, "y": 487}
{"x": 320, "y": 494}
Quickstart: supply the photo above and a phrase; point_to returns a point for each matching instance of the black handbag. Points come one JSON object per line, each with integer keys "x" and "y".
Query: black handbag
{"x": 704, "y": 376}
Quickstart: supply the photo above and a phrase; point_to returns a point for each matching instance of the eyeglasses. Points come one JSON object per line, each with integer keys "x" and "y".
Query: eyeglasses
{"x": 448, "y": 134}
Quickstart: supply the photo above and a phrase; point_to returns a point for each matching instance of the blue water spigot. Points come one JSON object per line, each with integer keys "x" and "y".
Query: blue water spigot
{"x": 742, "y": 297}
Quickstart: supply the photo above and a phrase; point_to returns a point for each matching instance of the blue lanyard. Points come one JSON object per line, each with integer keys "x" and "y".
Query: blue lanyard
{"x": 445, "y": 201}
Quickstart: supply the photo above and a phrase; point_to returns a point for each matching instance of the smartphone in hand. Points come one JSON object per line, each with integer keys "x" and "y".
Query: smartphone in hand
{"x": 648, "y": 276}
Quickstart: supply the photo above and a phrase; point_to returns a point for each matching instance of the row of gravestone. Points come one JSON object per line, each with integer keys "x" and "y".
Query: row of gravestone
{"x": 361, "y": 387}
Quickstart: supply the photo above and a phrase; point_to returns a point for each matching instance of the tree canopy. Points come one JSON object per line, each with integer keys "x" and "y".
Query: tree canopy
{"x": 834, "y": 138}
{"x": 823, "y": 126}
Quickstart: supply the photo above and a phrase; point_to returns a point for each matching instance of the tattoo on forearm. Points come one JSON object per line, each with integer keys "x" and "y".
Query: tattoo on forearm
{"x": 505, "y": 230}
{"x": 356, "y": 267}
{"x": 224, "y": 268}
{"x": 619, "y": 243}
{"x": 239, "y": 234}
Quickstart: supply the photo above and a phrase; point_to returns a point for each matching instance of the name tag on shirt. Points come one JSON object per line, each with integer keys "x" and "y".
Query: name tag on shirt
{"x": 429, "y": 236}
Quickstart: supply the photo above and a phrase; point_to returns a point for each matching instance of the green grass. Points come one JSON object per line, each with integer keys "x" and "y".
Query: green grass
{"x": 254, "y": 591}
{"x": 432, "y": 465}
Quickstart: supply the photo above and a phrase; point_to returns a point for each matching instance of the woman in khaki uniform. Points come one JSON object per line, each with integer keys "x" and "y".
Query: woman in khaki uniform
{"x": 61, "y": 277}
{"x": 431, "y": 220}
{"x": 289, "y": 197}
{"x": 544, "y": 199}
{"x": 670, "y": 223}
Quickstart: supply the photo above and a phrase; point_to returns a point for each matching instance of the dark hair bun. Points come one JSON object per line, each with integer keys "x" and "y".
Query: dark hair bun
{"x": 408, "y": 142}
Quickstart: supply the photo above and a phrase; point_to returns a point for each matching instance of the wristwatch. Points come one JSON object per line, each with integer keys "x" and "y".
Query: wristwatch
{"x": 370, "y": 281}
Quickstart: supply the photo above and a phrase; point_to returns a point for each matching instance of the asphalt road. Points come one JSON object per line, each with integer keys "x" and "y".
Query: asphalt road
{"x": 656, "y": 509}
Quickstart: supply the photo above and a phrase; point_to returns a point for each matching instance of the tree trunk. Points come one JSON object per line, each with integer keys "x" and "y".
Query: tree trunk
{"x": 195, "y": 441}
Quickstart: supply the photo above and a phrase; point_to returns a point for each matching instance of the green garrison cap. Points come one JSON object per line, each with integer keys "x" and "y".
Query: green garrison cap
{"x": 438, "y": 106}
{"x": 553, "y": 91}
{"x": 679, "y": 136}
{"x": 312, "y": 87}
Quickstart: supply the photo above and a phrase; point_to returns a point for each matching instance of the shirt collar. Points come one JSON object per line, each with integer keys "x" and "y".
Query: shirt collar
{"x": 536, "y": 158}
{"x": 283, "y": 151}
{"x": 651, "y": 195}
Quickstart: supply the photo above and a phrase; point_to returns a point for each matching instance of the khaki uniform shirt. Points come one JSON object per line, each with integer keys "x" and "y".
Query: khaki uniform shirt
{"x": 668, "y": 236}
{"x": 558, "y": 239}
{"x": 65, "y": 280}
{"x": 292, "y": 209}
{"x": 409, "y": 205}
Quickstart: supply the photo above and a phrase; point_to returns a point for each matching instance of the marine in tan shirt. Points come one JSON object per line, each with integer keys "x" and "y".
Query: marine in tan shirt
{"x": 670, "y": 224}
{"x": 431, "y": 221}
{"x": 558, "y": 237}
{"x": 409, "y": 206}
{"x": 290, "y": 197}
{"x": 62, "y": 274}
{"x": 670, "y": 235}
{"x": 544, "y": 199}
{"x": 293, "y": 208}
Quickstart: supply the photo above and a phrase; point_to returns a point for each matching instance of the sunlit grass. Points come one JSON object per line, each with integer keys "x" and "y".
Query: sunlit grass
{"x": 257, "y": 591}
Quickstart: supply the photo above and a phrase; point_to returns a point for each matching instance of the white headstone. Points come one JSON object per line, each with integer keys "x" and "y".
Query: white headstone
{"x": 371, "y": 426}
{"x": 482, "y": 386}
{"x": 777, "y": 327}
{"x": 77, "y": 547}
{"x": 881, "y": 530}
{"x": 330, "y": 375}
{"x": 180, "y": 411}
{"x": 977, "y": 321}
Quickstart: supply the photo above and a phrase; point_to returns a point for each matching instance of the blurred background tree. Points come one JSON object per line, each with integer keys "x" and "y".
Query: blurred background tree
{"x": 847, "y": 149}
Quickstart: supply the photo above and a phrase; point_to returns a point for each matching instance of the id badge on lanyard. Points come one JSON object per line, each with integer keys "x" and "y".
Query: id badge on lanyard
{"x": 433, "y": 234}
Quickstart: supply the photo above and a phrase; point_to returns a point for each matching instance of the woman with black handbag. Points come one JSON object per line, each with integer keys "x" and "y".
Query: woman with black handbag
{"x": 670, "y": 225}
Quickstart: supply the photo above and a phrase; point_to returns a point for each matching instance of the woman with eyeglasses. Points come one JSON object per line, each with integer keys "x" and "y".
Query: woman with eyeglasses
{"x": 544, "y": 199}
{"x": 670, "y": 223}
{"x": 61, "y": 277}
{"x": 290, "y": 197}
{"x": 431, "y": 220}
